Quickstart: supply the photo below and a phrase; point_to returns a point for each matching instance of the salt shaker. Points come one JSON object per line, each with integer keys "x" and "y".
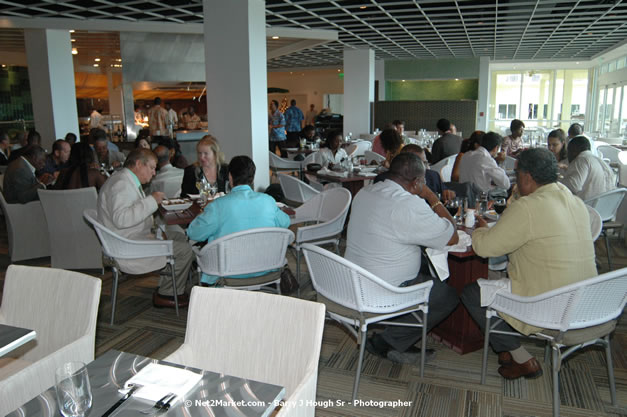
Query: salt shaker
{"x": 470, "y": 218}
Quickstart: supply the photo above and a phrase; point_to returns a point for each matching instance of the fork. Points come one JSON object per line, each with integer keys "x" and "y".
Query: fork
{"x": 162, "y": 404}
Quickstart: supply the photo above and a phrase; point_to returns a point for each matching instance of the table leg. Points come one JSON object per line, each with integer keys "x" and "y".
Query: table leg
{"x": 459, "y": 331}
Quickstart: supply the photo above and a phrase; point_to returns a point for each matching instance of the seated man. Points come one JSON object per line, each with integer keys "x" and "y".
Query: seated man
{"x": 125, "y": 209}
{"x": 390, "y": 221}
{"x": 447, "y": 144}
{"x": 57, "y": 160}
{"x": 106, "y": 156}
{"x": 241, "y": 209}
{"x": 20, "y": 183}
{"x": 33, "y": 139}
{"x": 587, "y": 175}
{"x": 480, "y": 168}
{"x": 166, "y": 172}
{"x": 5, "y": 147}
{"x": 546, "y": 233}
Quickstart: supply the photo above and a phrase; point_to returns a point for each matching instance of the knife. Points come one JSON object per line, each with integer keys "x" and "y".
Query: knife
{"x": 121, "y": 400}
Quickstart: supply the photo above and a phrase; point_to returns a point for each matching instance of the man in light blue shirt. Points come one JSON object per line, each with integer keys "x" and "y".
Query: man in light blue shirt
{"x": 276, "y": 122}
{"x": 241, "y": 209}
{"x": 294, "y": 118}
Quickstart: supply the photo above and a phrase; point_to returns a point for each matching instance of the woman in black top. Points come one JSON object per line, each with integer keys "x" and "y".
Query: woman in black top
{"x": 210, "y": 168}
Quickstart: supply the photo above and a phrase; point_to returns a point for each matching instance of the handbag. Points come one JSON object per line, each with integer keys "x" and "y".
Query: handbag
{"x": 288, "y": 283}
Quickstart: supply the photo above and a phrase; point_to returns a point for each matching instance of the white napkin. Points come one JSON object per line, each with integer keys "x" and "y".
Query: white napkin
{"x": 439, "y": 260}
{"x": 326, "y": 171}
{"x": 159, "y": 380}
{"x": 464, "y": 241}
{"x": 489, "y": 288}
{"x": 368, "y": 174}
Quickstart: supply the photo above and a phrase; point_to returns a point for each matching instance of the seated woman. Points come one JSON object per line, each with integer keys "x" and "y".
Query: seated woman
{"x": 142, "y": 142}
{"x": 470, "y": 144}
{"x": 333, "y": 154}
{"x": 556, "y": 142}
{"x": 392, "y": 144}
{"x": 83, "y": 170}
{"x": 209, "y": 168}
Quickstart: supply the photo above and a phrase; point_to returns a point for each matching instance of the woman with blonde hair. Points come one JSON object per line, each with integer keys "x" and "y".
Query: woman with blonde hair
{"x": 210, "y": 168}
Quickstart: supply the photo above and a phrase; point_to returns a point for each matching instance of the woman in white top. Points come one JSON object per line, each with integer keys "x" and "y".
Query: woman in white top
{"x": 333, "y": 154}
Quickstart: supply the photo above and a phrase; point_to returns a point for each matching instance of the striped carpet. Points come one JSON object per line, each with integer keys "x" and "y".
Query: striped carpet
{"x": 450, "y": 387}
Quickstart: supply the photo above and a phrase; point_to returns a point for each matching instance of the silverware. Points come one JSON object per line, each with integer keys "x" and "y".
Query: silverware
{"x": 121, "y": 400}
{"x": 160, "y": 406}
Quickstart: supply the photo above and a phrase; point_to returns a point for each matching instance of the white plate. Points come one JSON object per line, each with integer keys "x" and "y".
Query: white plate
{"x": 291, "y": 149}
{"x": 175, "y": 206}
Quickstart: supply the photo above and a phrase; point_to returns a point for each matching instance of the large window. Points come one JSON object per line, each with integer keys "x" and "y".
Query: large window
{"x": 546, "y": 99}
{"x": 612, "y": 112}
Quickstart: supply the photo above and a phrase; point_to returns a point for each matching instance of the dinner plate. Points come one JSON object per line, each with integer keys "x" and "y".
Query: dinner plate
{"x": 291, "y": 149}
{"x": 176, "y": 204}
{"x": 491, "y": 214}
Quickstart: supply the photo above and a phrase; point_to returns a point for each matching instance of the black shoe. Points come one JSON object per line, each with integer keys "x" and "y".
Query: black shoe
{"x": 375, "y": 345}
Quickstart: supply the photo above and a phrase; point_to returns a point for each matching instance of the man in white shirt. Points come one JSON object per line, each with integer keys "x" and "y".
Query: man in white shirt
{"x": 168, "y": 178}
{"x": 95, "y": 120}
{"x": 390, "y": 222}
{"x": 587, "y": 175}
{"x": 479, "y": 167}
{"x": 172, "y": 120}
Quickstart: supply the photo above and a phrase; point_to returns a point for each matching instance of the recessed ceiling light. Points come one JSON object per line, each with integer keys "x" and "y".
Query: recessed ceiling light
{"x": 275, "y": 37}
{"x": 73, "y": 40}
{"x": 339, "y": 70}
{"x": 363, "y": 7}
{"x": 97, "y": 59}
{"x": 4, "y": 66}
{"x": 71, "y": 30}
{"x": 96, "y": 65}
{"x": 74, "y": 51}
{"x": 119, "y": 59}
{"x": 403, "y": 80}
{"x": 456, "y": 79}
{"x": 577, "y": 63}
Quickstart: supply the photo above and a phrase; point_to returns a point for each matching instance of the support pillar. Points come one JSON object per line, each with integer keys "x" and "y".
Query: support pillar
{"x": 358, "y": 90}
{"x": 379, "y": 74}
{"x": 116, "y": 106}
{"x": 53, "y": 92}
{"x": 484, "y": 91}
{"x": 237, "y": 86}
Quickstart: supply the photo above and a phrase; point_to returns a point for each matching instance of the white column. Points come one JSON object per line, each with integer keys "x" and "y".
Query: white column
{"x": 128, "y": 106}
{"x": 484, "y": 92}
{"x": 51, "y": 74}
{"x": 358, "y": 90}
{"x": 379, "y": 75}
{"x": 237, "y": 87}
{"x": 116, "y": 105}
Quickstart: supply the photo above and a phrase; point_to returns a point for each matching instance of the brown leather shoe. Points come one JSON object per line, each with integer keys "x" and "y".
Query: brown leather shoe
{"x": 505, "y": 358}
{"x": 529, "y": 369}
{"x": 167, "y": 301}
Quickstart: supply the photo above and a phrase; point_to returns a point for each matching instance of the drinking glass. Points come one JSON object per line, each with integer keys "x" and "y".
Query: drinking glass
{"x": 73, "y": 389}
{"x": 499, "y": 205}
{"x": 483, "y": 203}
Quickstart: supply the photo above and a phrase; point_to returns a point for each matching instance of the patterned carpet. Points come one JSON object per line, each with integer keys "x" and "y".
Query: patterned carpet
{"x": 451, "y": 383}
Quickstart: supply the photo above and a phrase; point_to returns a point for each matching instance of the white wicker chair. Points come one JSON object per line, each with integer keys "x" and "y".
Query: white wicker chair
{"x": 263, "y": 337}
{"x": 609, "y": 153}
{"x": 328, "y": 211}
{"x": 449, "y": 160}
{"x": 278, "y": 164}
{"x": 607, "y": 205}
{"x": 596, "y": 223}
{"x": 445, "y": 173}
{"x": 509, "y": 164}
{"x": 295, "y": 189}
{"x": 358, "y": 148}
{"x": 27, "y": 230}
{"x": 61, "y": 306}
{"x": 356, "y": 298}
{"x": 246, "y": 252}
{"x": 576, "y": 316}
{"x": 73, "y": 244}
{"x": 115, "y": 247}
{"x": 171, "y": 187}
{"x": 373, "y": 156}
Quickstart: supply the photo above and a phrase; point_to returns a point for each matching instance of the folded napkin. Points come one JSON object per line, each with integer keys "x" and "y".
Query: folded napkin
{"x": 489, "y": 288}
{"x": 159, "y": 380}
{"x": 368, "y": 174}
{"x": 439, "y": 260}
{"x": 464, "y": 241}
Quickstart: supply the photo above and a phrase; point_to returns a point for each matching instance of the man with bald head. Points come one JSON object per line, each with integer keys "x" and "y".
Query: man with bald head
{"x": 168, "y": 178}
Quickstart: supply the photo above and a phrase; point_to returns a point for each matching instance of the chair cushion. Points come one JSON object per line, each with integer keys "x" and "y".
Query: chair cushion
{"x": 10, "y": 366}
{"x": 341, "y": 310}
{"x": 244, "y": 282}
{"x": 575, "y": 337}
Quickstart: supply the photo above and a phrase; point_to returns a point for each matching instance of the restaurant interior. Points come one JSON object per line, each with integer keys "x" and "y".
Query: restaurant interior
{"x": 479, "y": 63}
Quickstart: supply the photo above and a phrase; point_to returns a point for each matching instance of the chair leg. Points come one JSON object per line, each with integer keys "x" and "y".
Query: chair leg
{"x": 486, "y": 345}
{"x": 362, "y": 348}
{"x": 607, "y": 248}
{"x": 298, "y": 270}
{"x": 175, "y": 290}
{"x": 610, "y": 370}
{"x": 114, "y": 293}
{"x": 547, "y": 352}
{"x": 555, "y": 366}
{"x": 423, "y": 344}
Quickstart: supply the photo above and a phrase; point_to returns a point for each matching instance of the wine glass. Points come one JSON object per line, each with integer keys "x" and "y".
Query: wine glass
{"x": 499, "y": 205}
{"x": 213, "y": 189}
{"x": 453, "y": 208}
{"x": 74, "y": 396}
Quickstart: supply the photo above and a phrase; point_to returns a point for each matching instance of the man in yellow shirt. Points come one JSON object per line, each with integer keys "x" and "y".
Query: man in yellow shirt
{"x": 546, "y": 233}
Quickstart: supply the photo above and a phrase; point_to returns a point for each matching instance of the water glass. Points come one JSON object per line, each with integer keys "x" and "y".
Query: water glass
{"x": 73, "y": 389}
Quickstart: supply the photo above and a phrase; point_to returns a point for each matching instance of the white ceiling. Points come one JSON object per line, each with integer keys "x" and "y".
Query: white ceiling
{"x": 518, "y": 30}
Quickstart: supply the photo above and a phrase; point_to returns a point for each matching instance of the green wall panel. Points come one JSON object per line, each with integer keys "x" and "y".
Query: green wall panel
{"x": 432, "y": 90}
{"x": 15, "y": 98}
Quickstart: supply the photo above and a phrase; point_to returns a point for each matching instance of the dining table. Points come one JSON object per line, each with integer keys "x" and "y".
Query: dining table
{"x": 180, "y": 217}
{"x": 459, "y": 331}
{"x": 353, "y": 182}
{"x": 216, "y": 394}
{"x": 12, "y": 337}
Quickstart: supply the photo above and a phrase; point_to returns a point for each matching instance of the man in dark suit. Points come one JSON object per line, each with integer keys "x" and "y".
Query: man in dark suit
{"x": 4, "y": 148}
{"x": 20, "y": 183}
{"x": 447, "y": 144}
